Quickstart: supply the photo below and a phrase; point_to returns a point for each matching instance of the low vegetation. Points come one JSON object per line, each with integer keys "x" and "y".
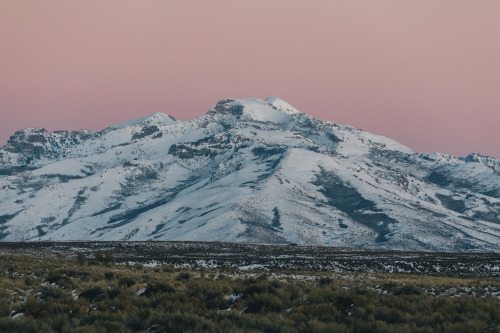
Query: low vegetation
{"x": 92, "y": 294}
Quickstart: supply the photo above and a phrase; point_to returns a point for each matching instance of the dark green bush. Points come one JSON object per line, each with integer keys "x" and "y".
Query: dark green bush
{"x": 81, "y": 258}
{"x": 4, "y": 307}
{"x": 261, "y": 303}
{"x": 60, "y": 279}
{"x": 126, "y": 281}
{"x": 325, "y": 280}
{"x": 52, "y": 292}
{"x": 184, "y": 276}
{"x": 156, "y": 288}
{"x": 92, "y": 294}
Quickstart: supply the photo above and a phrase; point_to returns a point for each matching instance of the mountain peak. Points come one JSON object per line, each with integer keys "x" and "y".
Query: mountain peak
{"x": 157, "y": 118}
{"x": 488, "y": 161}
{"x": 227, "y": 106}
{"x": 281, "y": 105}
{"x": 272, "y": 109}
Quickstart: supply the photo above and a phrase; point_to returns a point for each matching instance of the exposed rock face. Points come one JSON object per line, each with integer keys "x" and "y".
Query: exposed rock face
{"x": 32, "y": 144}
{"x": 247, "y": 171}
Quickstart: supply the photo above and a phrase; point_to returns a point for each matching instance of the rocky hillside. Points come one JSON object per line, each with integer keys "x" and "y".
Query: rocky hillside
{"x": 247, "y": 171}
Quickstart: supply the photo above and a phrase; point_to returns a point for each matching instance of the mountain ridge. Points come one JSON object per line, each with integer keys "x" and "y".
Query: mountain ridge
{"x": 247, "y": 171}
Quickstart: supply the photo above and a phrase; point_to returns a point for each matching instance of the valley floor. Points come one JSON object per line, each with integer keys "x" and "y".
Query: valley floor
{"x": 243, "y": 256}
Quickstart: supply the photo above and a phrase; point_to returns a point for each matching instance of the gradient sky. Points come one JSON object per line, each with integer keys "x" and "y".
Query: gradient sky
{"x": 425, "y": 73}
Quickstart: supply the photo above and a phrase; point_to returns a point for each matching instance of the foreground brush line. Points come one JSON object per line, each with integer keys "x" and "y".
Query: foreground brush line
{"x": 272, "y": 257}
{"x": 94, "y": 294}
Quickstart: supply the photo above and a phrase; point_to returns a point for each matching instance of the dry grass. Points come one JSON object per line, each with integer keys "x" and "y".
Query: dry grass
{"x": 71, "y": 295}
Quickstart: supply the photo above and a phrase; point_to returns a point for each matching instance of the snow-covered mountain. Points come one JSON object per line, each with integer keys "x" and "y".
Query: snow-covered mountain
{"x": 247, "y": 171}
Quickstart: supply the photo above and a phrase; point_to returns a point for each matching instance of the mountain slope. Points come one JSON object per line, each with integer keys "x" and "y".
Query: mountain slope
{"x": 247, "y": 171}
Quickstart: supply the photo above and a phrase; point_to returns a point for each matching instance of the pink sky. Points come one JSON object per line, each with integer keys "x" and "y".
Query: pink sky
{"x": 425, "y": 73}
